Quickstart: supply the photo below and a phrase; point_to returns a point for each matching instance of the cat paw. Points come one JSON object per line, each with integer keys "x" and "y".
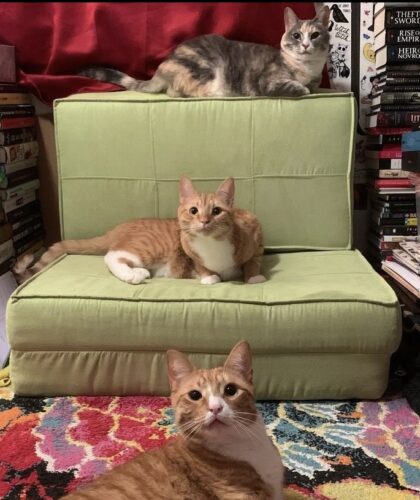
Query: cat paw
{"x": 135, "y": 275}
{"x": 259, "y": 278}
{"x": 301, "y": 90}
{"x": 210, "y": 280}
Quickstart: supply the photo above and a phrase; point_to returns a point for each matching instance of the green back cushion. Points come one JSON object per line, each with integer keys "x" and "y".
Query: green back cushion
{"x": 121, "y": 155}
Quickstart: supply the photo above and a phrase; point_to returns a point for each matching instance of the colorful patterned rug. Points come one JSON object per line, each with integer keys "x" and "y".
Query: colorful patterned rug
{"x": 332, "y": 450}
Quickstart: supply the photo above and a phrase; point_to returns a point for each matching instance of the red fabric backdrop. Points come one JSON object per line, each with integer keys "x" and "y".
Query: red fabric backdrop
{"x": 54, "y": 41}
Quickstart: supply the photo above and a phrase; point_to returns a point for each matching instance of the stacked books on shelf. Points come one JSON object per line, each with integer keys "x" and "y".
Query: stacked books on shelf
{"x": 403, "y": 266}
{"x": 395, "y": 110}
{"x": 21, "y": 228}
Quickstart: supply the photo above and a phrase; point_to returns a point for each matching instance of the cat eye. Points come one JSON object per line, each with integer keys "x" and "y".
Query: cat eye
{"x": 314, "y": 35}
{"x": 296, "y": 36}
{"x": 216, "y": 211}
{"x": 230, "y": 390}
{"x": 195, "y": 395}
{"x": 193, "y": 210}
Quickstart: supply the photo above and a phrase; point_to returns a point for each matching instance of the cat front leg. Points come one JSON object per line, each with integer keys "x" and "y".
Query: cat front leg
{"x": 206, "y": 276}
{"x": 287, "y": 88}
{"x": 252, "y": 271}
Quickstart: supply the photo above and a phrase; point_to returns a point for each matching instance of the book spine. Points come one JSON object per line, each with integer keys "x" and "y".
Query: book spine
{"x": 384, "y": 154}
{"x": 14, "y": 98}
{"x": 402, "y": 17}
{"x": 18, "y": 152}
{"x": 393, "y": 183}
{"x": 31, "y": 217}
{"x": 29, "y": 241}
{"x": 21, "y": 110}
{"x": 399, "y": 230}
{"x": 398, "y": 107}
{"x": 398, "y": 118}
{"x": 19, "y": 190}
{"x": 392, "y": 174}
{"x": 401, "y": 97}
{"x": 17, "y": 135}
{"x": 17, "y": 178}
{"x": 26, "y": 231}
{"x": 17, "y": 122}
{"x": 10, "y": 205}
{"x": 401, "y": 36}
{"x": 31, "y": 246}
{"x": 388, "y": 130}
{"x": 384, "y": 164}
{"x": 20, "y": 212}
{"x": 403, "y": 54}
{"x": 10, "y": 168}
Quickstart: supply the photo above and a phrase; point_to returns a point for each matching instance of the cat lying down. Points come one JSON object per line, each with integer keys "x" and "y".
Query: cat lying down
{"x": 222, "y": 450}
{"x": 209, "y": 239}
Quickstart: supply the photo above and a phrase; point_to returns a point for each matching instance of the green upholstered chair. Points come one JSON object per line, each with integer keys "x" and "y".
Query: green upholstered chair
{"x": 324, "y": 325}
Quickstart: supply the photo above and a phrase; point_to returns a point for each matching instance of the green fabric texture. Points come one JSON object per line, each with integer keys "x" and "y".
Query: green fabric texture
{"x": 313, "y": 303}
{"x": 291, "y": 159}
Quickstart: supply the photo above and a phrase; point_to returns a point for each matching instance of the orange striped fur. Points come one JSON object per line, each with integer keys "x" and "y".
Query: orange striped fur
{"x": 222, "y": 450}
{"x": 209, "y": 239}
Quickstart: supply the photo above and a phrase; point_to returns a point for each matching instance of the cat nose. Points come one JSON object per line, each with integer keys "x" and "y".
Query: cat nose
{"x": 204, "y": 221}
{"x": 305, "y": 45}
{"x": 216, "y": 409}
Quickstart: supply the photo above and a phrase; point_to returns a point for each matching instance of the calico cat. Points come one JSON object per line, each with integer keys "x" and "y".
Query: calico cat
{"x": 222, "y": 450}
{"x": 212, "y": 66}
{"x": 210, "y": 239}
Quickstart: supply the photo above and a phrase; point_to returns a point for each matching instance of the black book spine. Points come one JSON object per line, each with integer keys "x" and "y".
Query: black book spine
{"x": 400, "y": 36}
{"x": 17, "y": 135}
{"x": 403, "y": 54}
{"x": 402, "y": 17}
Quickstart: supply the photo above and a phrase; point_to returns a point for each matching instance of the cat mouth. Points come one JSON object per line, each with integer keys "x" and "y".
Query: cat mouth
{"x": 216, "y": 422}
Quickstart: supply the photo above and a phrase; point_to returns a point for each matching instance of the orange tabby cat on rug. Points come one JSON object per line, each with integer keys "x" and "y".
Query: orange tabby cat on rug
{"x": 222, "y": 450}
{"x": 209, "y": 239}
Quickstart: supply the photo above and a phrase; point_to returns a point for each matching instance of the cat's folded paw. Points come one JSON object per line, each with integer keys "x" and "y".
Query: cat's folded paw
{"x": 210, "y": 280}
{"x": 135, "y": 275}
{"x": 259, "y": 278}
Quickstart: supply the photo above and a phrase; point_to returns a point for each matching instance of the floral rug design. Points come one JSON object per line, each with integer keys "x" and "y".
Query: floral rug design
{"x": 331, "y": 450}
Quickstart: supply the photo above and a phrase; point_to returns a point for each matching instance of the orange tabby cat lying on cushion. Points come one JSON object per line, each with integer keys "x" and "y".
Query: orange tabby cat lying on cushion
{"x": 209, "y": 238}
{"x": 222, "y": 451}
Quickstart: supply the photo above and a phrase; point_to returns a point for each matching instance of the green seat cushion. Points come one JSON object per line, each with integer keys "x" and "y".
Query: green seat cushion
{"x": 121, "y": 155}
{"x": 316, "y": 307}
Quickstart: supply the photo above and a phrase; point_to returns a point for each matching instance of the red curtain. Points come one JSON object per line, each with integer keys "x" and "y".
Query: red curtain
{"x": 54, "y": 41}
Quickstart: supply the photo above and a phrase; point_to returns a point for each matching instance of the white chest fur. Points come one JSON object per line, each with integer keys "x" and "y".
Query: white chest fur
{"x": 216, "y": 256}
{"x": 255, "y": 447}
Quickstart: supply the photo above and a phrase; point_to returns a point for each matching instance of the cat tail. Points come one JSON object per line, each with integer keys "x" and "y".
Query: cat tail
{"x": 155, "y": 85}
{"x": 24, "y": 267}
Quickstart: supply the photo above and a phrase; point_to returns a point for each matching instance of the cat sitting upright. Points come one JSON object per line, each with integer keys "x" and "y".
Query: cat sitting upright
{"x": 210, "y": 239}
{"x": 222, "y": 450}
{"x": 213, "y": 66}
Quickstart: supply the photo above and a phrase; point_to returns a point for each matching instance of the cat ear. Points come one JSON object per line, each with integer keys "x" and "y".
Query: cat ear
{"x": 323, "y": 14}
{"x": 240, "y": 360}
{"x": 178, "y": 367}
{"x": 290, "y": 18}
{"x": 226, "y": 191}
{"x": 186, "y": 189}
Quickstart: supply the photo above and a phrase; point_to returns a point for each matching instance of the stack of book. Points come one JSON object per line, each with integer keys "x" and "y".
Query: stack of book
{"x": 403, "y": 266}
{"x": 21, "y": 228}
{"x": 395, "y": 110}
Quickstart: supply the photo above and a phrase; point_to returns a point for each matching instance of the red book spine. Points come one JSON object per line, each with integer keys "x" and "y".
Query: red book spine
{"x": 388, "y": 130}
{"x": 393, "y": 183}
{"x": 25, "y": 121}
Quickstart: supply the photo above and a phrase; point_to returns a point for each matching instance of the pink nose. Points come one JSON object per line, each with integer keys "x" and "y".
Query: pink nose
{"x": 204, "y": 221}
{"x": 305, "y": 46}
{"x": 216, "y": 409}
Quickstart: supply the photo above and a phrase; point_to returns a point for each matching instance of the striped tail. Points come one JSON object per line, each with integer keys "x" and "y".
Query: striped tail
{"x": 154, "y": 86}
{"x": 25, "y": 268}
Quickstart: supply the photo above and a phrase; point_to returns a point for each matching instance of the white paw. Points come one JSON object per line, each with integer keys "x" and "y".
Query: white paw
{"x": 259, "y": 278}
{"x": 210, "y": 280}
{"x": 135, "y": 275}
